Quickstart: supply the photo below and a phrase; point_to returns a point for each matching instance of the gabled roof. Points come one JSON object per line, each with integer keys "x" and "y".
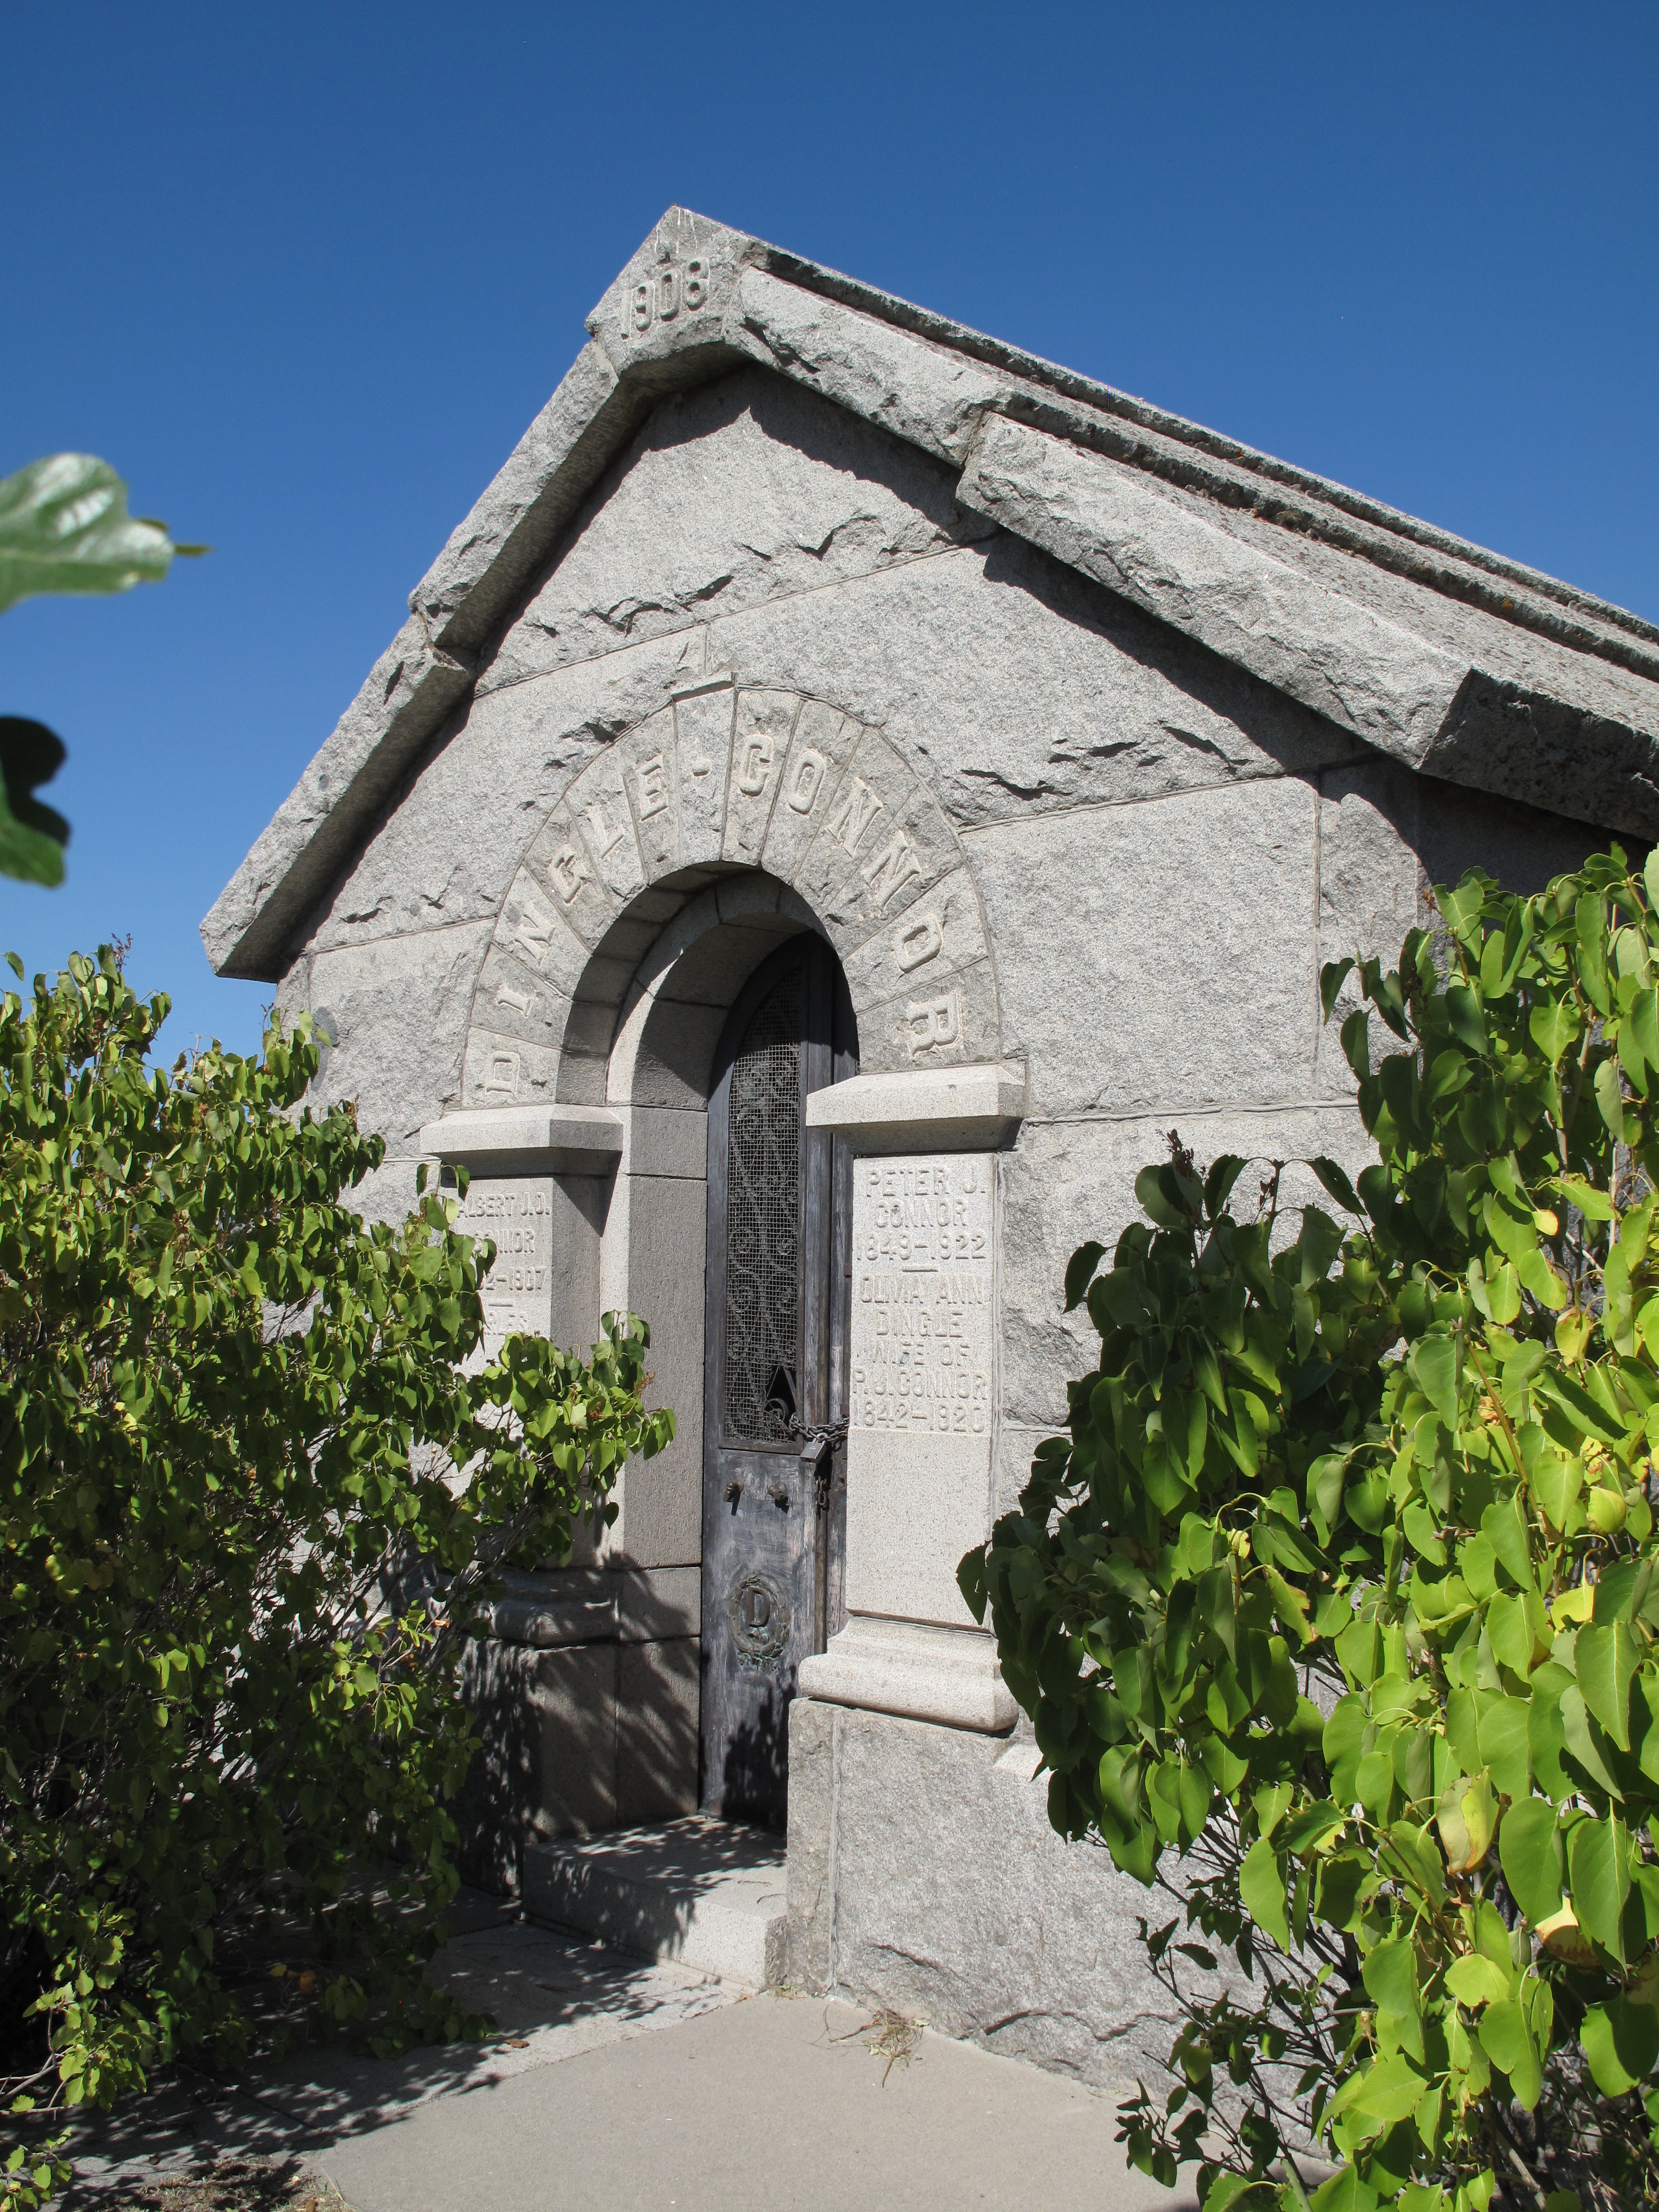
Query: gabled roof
{"x": 1436, "y": 652}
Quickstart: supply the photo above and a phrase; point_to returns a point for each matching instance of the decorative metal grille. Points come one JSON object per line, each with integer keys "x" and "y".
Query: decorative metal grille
{"x": 762, "y": 1237}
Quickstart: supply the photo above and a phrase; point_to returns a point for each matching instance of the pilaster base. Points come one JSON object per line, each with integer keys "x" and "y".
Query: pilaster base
{"x": 948, "y": 1675}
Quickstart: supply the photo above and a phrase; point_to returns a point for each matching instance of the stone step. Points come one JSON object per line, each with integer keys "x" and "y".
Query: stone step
{"x": 704, "y": 1892}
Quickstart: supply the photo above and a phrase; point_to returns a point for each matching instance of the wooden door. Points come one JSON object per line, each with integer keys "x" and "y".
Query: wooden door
{"x": 773, "y": 1511}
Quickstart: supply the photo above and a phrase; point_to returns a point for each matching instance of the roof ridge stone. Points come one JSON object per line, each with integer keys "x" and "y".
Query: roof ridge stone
{"x": 1110, "y": 401}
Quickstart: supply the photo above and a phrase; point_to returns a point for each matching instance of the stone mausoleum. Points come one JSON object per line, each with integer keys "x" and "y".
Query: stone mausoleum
{"x": 844, "y": 794}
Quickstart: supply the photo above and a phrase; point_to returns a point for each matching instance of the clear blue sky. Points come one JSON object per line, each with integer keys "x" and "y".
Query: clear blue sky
{"x": 304, "y": 273}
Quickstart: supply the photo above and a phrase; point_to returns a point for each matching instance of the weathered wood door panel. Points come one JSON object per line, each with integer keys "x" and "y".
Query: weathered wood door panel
{"x": 773, "y": 1514}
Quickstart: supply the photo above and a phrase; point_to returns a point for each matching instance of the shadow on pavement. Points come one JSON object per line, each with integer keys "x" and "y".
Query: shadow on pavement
{"x": 553, "y": 1996}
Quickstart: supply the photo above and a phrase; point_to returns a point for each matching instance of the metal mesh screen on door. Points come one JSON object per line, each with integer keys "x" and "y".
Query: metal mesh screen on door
{"x": 762, "y": 1249}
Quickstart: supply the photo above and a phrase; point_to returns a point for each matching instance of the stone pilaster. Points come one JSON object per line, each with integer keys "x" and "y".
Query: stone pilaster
{"x": 922, "y": 1391}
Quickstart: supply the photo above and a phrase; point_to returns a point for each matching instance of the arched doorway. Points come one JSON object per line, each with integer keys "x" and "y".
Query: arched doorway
{"x": 774, "y": 1507}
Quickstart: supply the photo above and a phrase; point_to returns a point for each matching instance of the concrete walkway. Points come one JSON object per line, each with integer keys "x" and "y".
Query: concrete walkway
{"x": 619, "y": 2085}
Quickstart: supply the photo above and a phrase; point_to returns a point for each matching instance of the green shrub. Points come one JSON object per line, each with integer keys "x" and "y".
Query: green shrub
{"x": 237, "y": 1560}
{"x": 1341, "y": 1591}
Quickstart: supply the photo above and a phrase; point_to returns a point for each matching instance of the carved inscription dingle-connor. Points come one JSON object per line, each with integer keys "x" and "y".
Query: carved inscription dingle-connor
{"x": 857, "y": 808}
{"x": 749, "y": 777}
{"x": 651, "y": 777}
{"x": 935, "y": 1024}
{"x": 917, "y": 941}
{"x": 756, "y": 764}
{"x": 567, "y": 874}
{"x": 811, "y": 768}
{"x": 923, "y": 1295}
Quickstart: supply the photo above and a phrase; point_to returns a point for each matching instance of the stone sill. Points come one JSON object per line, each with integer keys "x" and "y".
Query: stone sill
{"x": 527, "y": 1139}
{"x": 945, "y": 1109}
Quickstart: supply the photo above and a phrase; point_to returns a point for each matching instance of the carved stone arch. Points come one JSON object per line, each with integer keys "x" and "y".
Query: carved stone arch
{"x": 678, "y": 1001}
{"x": 724, "y": 780}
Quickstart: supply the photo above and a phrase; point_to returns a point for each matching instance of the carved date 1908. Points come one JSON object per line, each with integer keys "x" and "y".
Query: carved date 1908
{"x": 670, "y": 291}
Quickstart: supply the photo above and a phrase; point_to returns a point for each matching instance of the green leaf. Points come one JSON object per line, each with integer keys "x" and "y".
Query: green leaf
{"x": 64, "y": 527}
{"x": 1157, "y": 1200}
{"x": 1530, "y": 1851}
{"x": 1473, "y": 1979}
{"x": 1218, "y": 1184}
{"x": 970, "y": 1581}
{"x": 31, "y": 836}
{"x": 1079, "y": 1273}
{"x": 1553, "y": 1026}
{"x": 1222, "y": 1765}
{"x": 1388, "y": 2090}
{"x": 1417, "y": 1852}
{"x": 1261, "y": 1888}
{"x": 1642, "y": 1023}
{"x": 1314, "y": 1827}
{"x": 1580, "y": 1741}
{"x": 1271, "y": 1805}
{"x": 1551, "y": 1289}
{"x": 1356, "y": 1036}
{"x": 1501, "y": 1729}
{"x": 1224, "y": 2190}
{"x": 1336, "y": 1182}
{"x": 1437, "y": 1366}
{"x": 1390, "y": 1975}
{"x": 1466, "y": 1815}
{"x": 1609, "y": 1097}
{"x": 1599, "y": 1856}
{"x": 1594, "y": 1204}
{"x": 1503, "y": 1301}
{"x": 1206, "y": 1373}
{"x": 1332, "y": 976}
{"x": 1504, "y": 1527}
{"x": 1588, "y": 1419}
{"x": 1289, "y": 1606}
{"x": 1243, "y": 1444}
{"x": 1622, "y": 2044}
{"x": 1463, "y": 907}
{"x": 1508, "y": 2042}
{"x": 1344, "y": 2192}
{"x": 1606, "y": 1659}
{"x": 1515, "y": 1627}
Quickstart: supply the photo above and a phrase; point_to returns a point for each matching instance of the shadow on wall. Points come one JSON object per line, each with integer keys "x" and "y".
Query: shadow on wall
{"x": 577, "y": 1740}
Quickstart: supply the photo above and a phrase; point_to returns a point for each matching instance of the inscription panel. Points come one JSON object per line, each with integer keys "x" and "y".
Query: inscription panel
{"x": 516, "y": 1213}
{"x": 923, "y": 1307}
